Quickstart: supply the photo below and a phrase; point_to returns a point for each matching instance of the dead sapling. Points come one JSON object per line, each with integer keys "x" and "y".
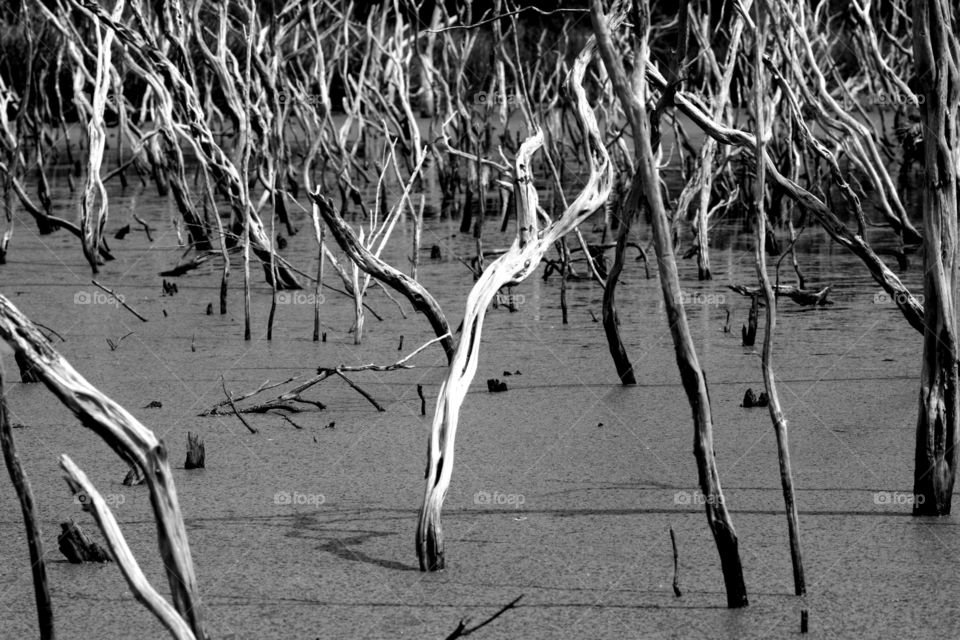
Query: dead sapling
{"x": 749, "y": 332}
{"x": 196, "y": 452}
{"x": 676, "y": 565}
{"x": 146, "y": 227}
{"x": 27, "y": 508}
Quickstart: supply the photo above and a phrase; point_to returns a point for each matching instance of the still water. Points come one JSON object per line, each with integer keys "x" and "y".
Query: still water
{"x": 565, "y": 486}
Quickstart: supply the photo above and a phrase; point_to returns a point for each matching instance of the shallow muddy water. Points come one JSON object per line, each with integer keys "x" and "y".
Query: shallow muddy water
{"x": 565, "y": 486}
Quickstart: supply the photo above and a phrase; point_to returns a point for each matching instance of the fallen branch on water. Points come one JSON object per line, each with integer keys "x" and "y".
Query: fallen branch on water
{"x": 234, "y": 406}
{"x": 804, "y": 297}
{"x": 119, "y": 299}
{"x": 462, "y": 631}
{"x": 285, "y": 401}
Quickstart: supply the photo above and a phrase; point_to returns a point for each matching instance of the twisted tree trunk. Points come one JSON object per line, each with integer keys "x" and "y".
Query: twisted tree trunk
{"x": 521, "y": 259}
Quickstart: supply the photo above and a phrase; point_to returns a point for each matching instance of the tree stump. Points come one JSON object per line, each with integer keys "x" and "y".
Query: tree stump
{"x": 77, "y": 547}
{"x": 751, "y": 400}
{"x": 196, "y": 453}
{"x": 494, "y": 385}
{"x": 749, "y": 332}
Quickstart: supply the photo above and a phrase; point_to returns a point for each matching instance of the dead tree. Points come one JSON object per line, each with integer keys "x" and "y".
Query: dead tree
{"x": 776, "y": 411}
{"x": 937, "y": 51}
{"x": 27, "y": 506}
{"x": 132, "y": 441}
{"x": 633, "y": 96}
{"x": 514, "y": 266}
{"x": 373, "y": 265}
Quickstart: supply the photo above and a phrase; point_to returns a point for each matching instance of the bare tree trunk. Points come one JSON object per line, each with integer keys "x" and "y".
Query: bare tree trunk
{"x": 633, "y": 97}
{"x": 609, "y": 310}
{"x": 514, "y": 266}
{"x": 366, "y": 260}
{"x": 132, "y": 441}
{"x": 937, "y": 60}
{"x": 776, "y": 411}
{"x": 34, "y": 537}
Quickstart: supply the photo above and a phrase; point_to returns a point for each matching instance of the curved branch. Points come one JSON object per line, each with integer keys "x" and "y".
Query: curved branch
{"x": 418, "y": 296}
{"x": 519, "y": 261}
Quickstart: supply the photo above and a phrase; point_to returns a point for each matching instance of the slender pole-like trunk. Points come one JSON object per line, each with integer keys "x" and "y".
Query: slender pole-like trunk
{"x": 937, "y": 61}
{"x": 317, "y": 291}
{"x": 34, "y": 538}
{"x": 358, "y": 291}
{"x": 776, "y": 411}
{"x": 633, "y": 97}
{"x": 611, "y": 322}
{"x": 245, "y": 177}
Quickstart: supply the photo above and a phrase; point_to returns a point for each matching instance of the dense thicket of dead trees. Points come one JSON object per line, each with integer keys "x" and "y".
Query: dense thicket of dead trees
{"x": 252, "y": 117}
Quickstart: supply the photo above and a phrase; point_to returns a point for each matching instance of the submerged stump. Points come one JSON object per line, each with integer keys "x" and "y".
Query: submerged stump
{"x": 77, "y": 547}
{"x": 196, "y": 452}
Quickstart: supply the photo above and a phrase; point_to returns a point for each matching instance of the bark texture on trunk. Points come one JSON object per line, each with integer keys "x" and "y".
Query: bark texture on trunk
{"x": 938, "y": 80}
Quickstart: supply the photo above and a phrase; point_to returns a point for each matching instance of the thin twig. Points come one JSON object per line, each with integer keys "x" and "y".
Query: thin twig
{"x": 120, "y": 300}
{"x": 234, "y": 407}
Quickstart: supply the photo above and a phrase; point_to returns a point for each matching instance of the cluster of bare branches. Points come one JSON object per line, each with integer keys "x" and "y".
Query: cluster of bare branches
{"x": 785, "y": 115}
